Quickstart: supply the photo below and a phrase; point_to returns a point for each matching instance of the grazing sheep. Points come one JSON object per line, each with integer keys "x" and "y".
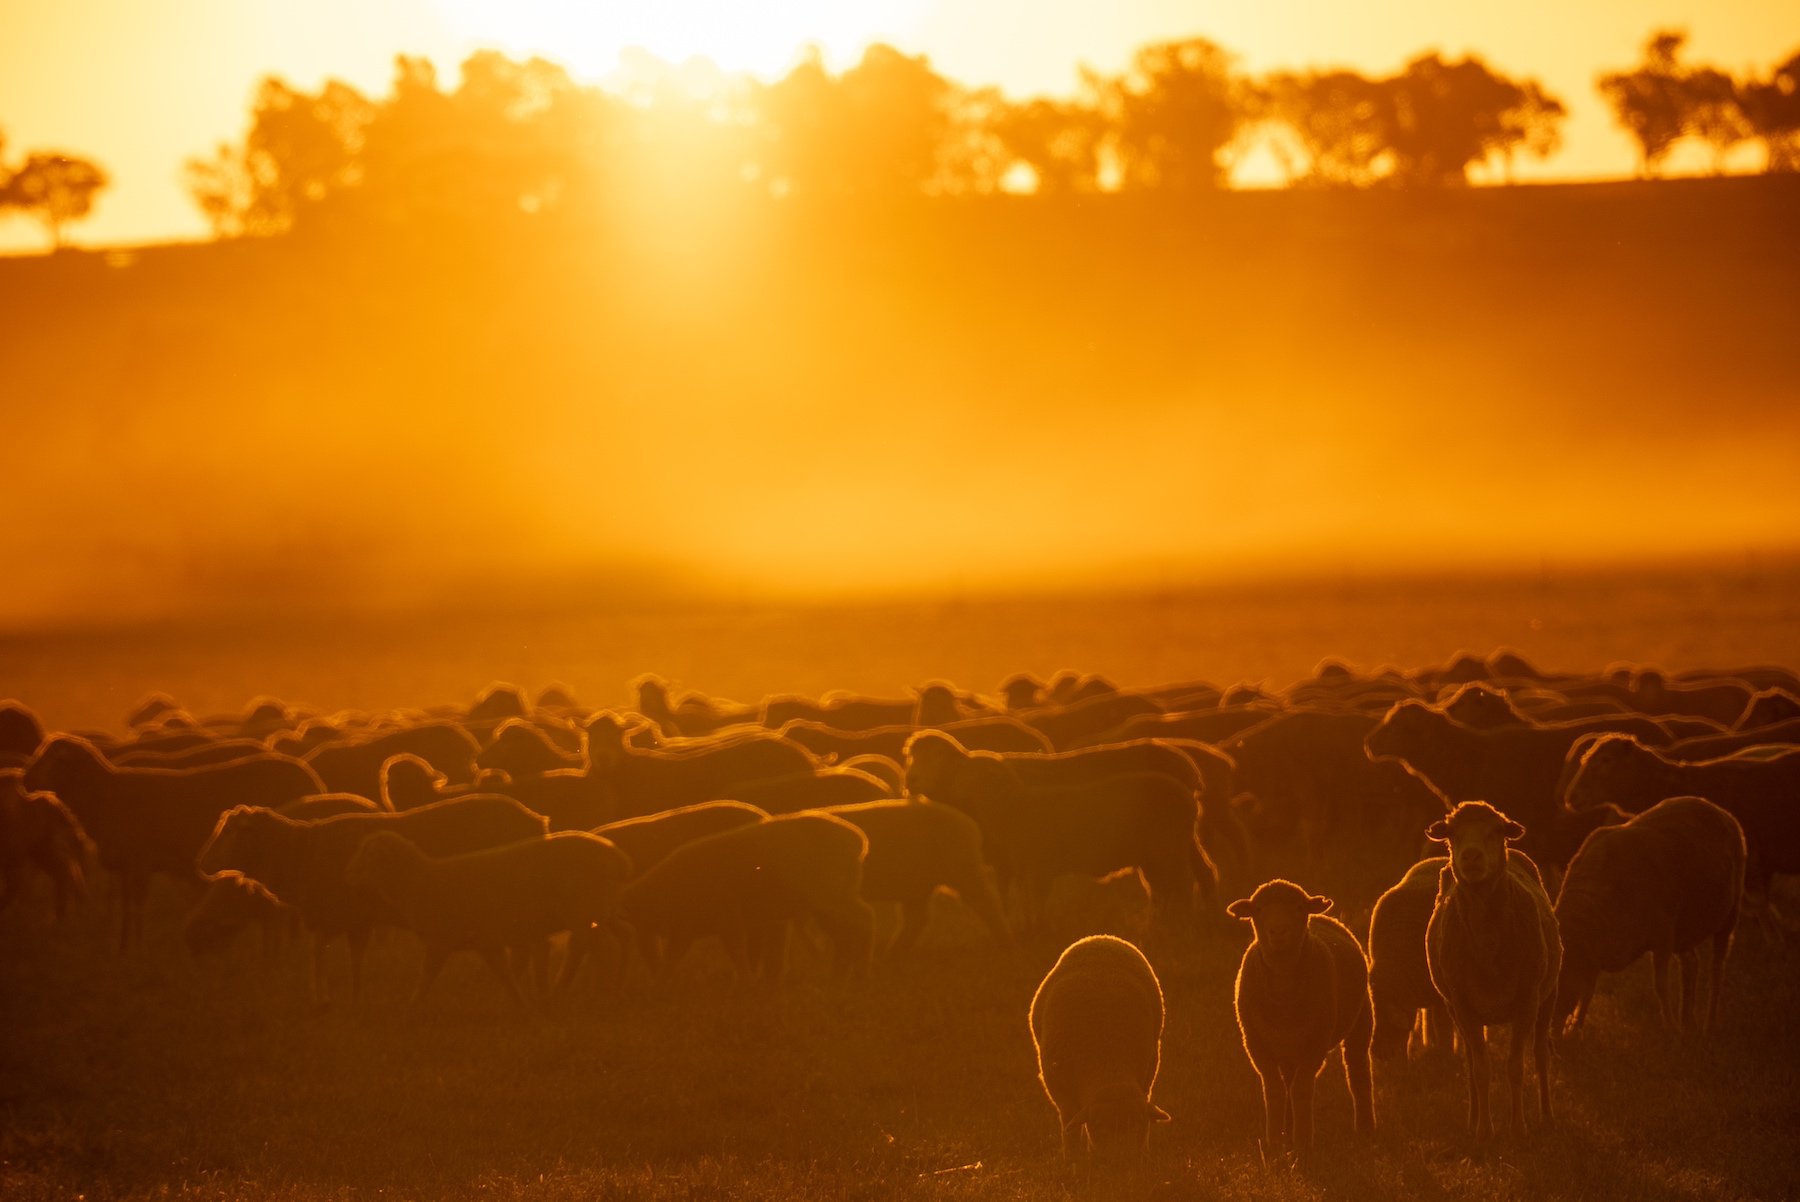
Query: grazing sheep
{"x": 1514, "y": 768}
{"x": 691, "y": 714}
{"x": 1663, "y": 883}
{"x": 1399, "y": 974}
{"x": 302, "y": 863}
{"x": 649, "y": 838}
{"x": 1768, "y": 707}
{"x": 520, "y": 748}
{"x": 354, "y": 766}
{"x": 1097, "y": 1021}
{"x": 1302, "y": 991}
{"x": 145, "y": 821}
{"x": 1066, "y": 818}
{"x": 1115, "y": 904}
{"x": 746, "y": 885}
{"x": 1762, "y": 794}
{"x": 230, "y": 905}
{"x": 916, "y": 847}
{"x": 37, "y": 832}
{"x": 993, "y": 733}
{"x": 1494, "y": 954}
{"x": 645, "y": 781}
{"x": 516, "y": 895}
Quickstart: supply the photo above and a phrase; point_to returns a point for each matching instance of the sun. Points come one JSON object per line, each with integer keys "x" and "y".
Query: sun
{"x": 764, "y": 38}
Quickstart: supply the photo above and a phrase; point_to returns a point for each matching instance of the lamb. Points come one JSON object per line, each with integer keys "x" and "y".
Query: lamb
{"x": 1097, "y": 1021}
{"x": 1664, "y": 882}
{"x": 38, "y": 832}
{"x": 745, "y": 885}
{"x": 914, "y": 848}
{"x": 145, "y": 821}
{"x": 1762, "y": 794}
{"x": 1399, "y": 974}
{"x": 495, "y": 899}
{"x": 1494, "y": 953}
{"x": 302, "y": 863}
{"x": 1302, "y": 991}
{"x": 1034, "y": 831}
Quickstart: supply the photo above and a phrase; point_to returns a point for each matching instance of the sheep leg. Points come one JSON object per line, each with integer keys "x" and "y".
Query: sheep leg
{"x": 1275, "y": 1103}
{"x": 1474, "y": 1037}
{"x": 496, "y": 960}
{"x": 1300, "y": 1106}
{"x": 434, "y": 963}
{"x": 1721, "y": 945}
{"x": 1515, "y": 1076}
{"x": 1659, "y": 974}
{"x": 1690, "y": 989}
{"x": 1357, "y": 1074}
{"x": 1540, "y": 1055}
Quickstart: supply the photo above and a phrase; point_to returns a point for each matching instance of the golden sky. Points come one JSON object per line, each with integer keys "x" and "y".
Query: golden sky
{"x": 141, "y": 86}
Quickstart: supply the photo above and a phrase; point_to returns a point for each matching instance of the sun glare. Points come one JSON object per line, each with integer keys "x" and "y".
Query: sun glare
{"x": 764, "y": 38}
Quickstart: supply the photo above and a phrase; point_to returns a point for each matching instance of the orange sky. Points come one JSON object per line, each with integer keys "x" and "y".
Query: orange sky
{"x": 140, "y": 87}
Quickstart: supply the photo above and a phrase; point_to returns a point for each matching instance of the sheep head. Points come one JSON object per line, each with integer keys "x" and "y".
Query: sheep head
{"x": 1477, "y": 834}
{"x": 1606, "y": 772}
{"x": 1400, "y": 729}
{"x": 1117, "y": 1118}
{"x": 62, "y": 760}
{"x": 1279, "y": 912}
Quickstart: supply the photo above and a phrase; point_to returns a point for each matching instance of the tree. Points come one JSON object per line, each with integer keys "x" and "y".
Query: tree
{"x": 1058, "y": 140}
{"x": 1650, "y": 101}
{"x": 1713, "y": 111}
{"x": 1450, "y": 115}
{"x": 1172, "y": 115}
{"x": 1772, "y": 110}
{"x": 1342, "y": 121}
{"x": 55, "y": 189}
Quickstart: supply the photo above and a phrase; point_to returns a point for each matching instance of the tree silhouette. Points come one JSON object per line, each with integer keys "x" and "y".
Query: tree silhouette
{"x": 53, "y": 188}
{"x": 1342, "y": 121}
{"x": 1650, "y": 101}
{"x": 1059, "y": 141}
{"x": 1449, "y": 115}
{"x": 300, "y": 157}
{"x": 1772, "y": 109}
{"x": 1713, "y": 111}
{"x": 1172, "y": 115}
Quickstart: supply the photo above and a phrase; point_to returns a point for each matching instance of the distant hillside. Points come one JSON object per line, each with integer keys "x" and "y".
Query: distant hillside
{"x": 969, "y": 393}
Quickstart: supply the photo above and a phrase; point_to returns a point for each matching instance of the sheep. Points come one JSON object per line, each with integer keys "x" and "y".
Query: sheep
{"x": 816, "y": 790}
{"x": 1514, "y": 768}
{"x": 1762, "y": 794}
{"x": 494, "y": 899}
{"x": 914, "y": 848}
{"x": 1118, "y": 903}
{"x": 37, "y": 831}
{"x": 228, "y": 906}
{"x": 20, "y": 731}
{"x": 520, "y": 748}
{"x": 1066, "y": 724}
{"x": 354, "y": 765}
{"x": 302, "y": 863}
{"x": 1036, "y": 829}
{"x": 1302, "y": 991}
{"x": 1096, "y": 1021}
{"x": 888, "y": 771}
{"x": 1399, "y": 975}
{"x": 196, "y": 755}
{"x": 643, "y": 782}
{"x": 1204, "y": 726}
{"x": 745, "y": 885}
{"x": 649, "y": 838}
{"x": 496, "y": 703}
{"x": 145, "y": 821}
{"x": 1494, "y": 954}
{"x": 846, "y": 712}
{"x": 1664, "y": 882}
{"x": 992, "y": 733}
{"x": 1022, "y": 691}
{"x": 1766, "y": 708}
{"x": 691, "y": 714}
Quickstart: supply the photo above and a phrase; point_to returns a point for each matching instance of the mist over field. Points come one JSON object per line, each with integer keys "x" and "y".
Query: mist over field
{"x": 784, "y": 401}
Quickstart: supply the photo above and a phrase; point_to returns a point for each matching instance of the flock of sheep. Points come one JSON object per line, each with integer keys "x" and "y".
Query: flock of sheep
{"x": 1584, "y": 821}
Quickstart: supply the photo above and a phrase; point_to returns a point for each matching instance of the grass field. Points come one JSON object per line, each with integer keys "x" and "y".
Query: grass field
{"x": 148, "y": 1076}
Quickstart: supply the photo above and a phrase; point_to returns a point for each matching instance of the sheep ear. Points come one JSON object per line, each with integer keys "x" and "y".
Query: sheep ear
{"x": 1241, "y": 908}
{"x": 1438, "y": 832}
{"x": 1159, "y": 1115}
{"x": 1513, "y": 831}
{"x": 1316, "y": 905}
